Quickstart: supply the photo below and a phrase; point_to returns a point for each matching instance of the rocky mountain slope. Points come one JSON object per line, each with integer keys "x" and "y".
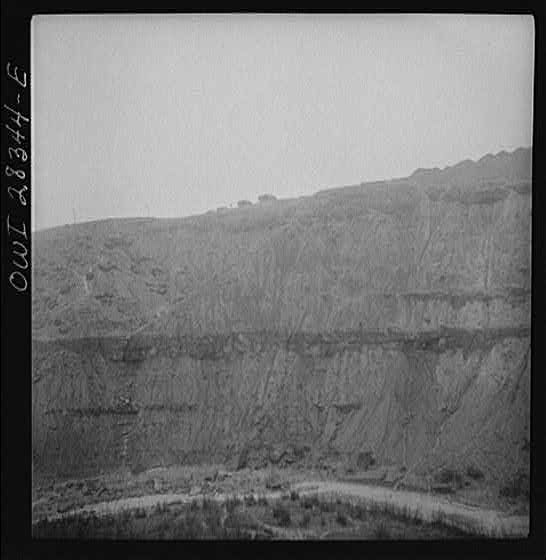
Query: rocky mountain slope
{"x": 385, "y": 322}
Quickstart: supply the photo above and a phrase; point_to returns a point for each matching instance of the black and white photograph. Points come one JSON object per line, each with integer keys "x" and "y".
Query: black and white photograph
{"x": 281, "y": 276}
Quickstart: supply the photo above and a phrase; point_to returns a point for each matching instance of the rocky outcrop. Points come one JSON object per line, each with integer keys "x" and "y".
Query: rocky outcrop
{"x": 390, "y": 319}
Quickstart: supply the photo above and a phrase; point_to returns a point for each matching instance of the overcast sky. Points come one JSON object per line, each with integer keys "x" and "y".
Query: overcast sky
{"x": 175, "y": 115}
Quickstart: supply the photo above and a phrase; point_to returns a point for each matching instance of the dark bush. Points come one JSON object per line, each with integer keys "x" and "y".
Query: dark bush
{"x": 232, "y": 504}
{"x": 213, "y": 516}
{"x": 250, "y": 500}
{"x": 140, "y": 513}
{"x": 382, "y": 532}
{"x": 365, "y": 460}
{"x": 518, "y": 487}
{"x": 327, "y": 506}
{"x": 442, "y": 489}
{"x": 474, "y": 473}
{"x": 273, "y": 481}
{"x": 242, "y": 459}
{"x": 161, "y": 508}
{"x": 195, "y": 506}
{"x": 306, "y": 519}
{"x": 210, "y": 505}
{"x": 450, "y": 476}
{"x": 294, "y": 496}
{"x": 358, "y": 512}
{"x": 341, "y": 519}
{"x": 309, "y": 502}
{"x": 190, "y": 528}
{"x": 267, "y": 198}
{"x": 282, "y": 515}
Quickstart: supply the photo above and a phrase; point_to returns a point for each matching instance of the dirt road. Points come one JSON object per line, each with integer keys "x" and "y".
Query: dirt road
{"x": 422, "y": 506}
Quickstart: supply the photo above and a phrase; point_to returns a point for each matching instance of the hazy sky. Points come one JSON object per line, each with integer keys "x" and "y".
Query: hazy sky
{"x": 176, "y": 114}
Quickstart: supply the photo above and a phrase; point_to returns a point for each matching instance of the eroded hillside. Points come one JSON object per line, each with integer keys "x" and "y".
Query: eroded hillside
{"x": 388, "y": 319}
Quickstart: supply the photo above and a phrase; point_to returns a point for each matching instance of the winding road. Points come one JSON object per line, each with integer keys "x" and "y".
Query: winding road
{"x": 426, "y": 507}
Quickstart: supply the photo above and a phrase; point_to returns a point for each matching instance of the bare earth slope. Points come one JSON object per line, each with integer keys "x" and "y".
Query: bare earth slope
{"x": 387, "y": 320}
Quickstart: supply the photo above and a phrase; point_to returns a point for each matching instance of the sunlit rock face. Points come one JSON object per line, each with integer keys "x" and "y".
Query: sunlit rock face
{"x": 391, "y": 318}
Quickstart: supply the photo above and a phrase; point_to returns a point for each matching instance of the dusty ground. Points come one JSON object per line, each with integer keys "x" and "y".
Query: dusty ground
{"x": 114, "y": 494}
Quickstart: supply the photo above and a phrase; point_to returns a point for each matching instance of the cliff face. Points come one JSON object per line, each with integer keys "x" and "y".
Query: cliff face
{"x": 388, "y": 317}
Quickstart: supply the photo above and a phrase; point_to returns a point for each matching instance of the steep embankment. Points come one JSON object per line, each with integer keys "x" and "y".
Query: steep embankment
{"x": 390, "y": 318}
